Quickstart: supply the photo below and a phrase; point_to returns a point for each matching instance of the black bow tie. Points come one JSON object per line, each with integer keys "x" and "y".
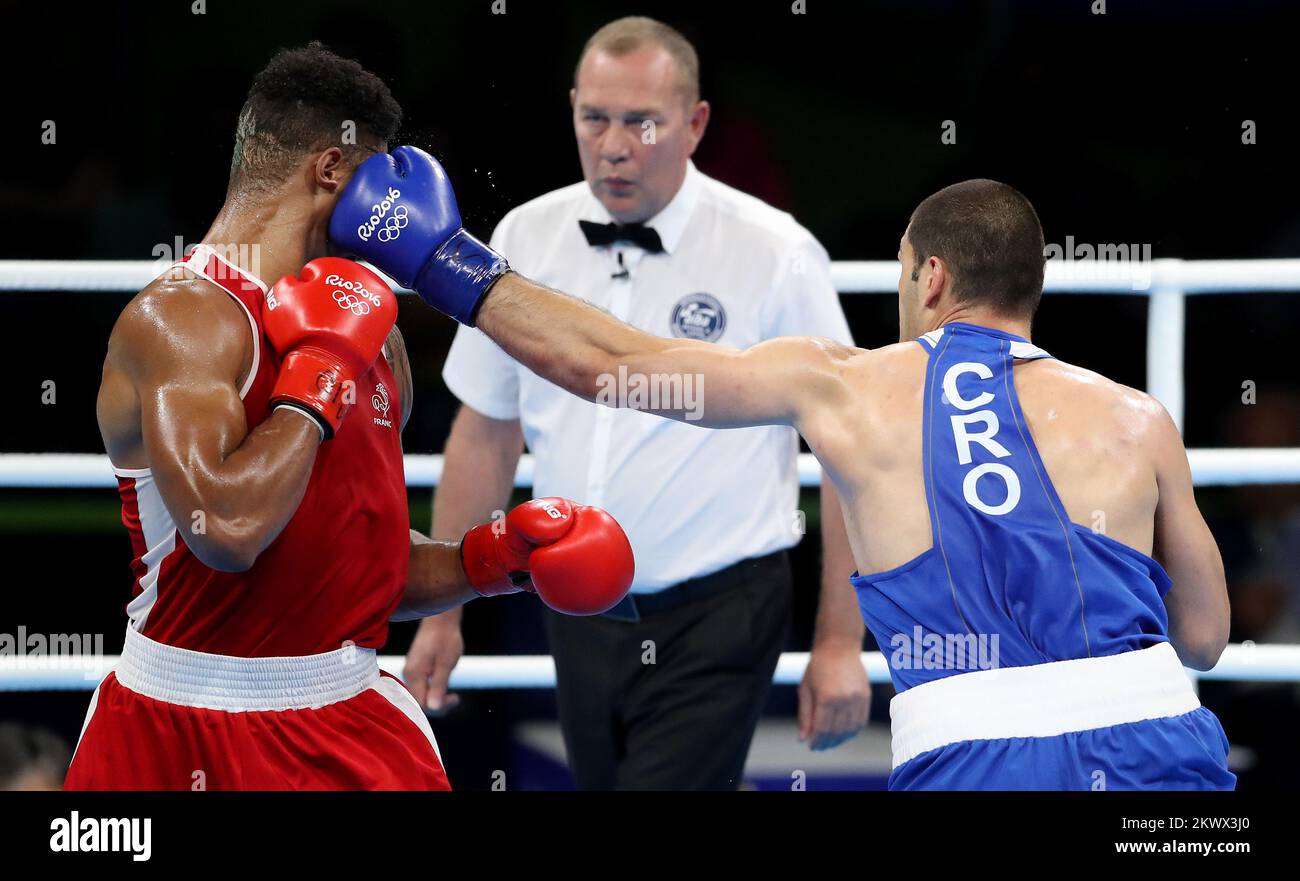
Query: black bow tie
{"x": 608, "y": 233}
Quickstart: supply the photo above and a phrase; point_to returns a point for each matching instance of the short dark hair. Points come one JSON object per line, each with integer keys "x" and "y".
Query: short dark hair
{"x": 989, "y": 236}
{"x": 299, "y": 103}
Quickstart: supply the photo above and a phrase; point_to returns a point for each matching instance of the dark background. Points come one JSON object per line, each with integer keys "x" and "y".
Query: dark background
{"x": 1124, "y": 127}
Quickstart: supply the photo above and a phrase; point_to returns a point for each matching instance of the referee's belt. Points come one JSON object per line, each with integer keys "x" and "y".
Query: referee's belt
{"x": 634, "y": 607}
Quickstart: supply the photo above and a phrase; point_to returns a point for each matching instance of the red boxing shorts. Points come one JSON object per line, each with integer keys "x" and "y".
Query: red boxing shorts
{"x": 170, "y": 718}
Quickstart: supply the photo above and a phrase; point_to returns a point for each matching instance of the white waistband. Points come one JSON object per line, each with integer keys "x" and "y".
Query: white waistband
{"x": 222, "y": 682}
{"x": 1042, "y": 700}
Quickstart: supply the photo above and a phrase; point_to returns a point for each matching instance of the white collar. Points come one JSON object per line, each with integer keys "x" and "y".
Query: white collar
{"x": 202, "y": 253}
{"x": 671, "y": 220}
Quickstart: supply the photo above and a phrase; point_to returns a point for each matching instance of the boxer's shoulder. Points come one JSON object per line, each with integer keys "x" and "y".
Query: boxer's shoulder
{"x": 900, "y": 356}
{"x": 179, "y": 315}
{"x": 1058, "y": 377}
{"x": 822, "y": 355}
{"x": 1088, "y": 400}
{"x": 864, "y": 375}
{"x": 877, "y": 371}
{"x": 842, "y": 378}
{"x": 889, "y": 382}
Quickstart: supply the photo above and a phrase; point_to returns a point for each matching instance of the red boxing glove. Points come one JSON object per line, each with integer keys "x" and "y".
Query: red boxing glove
{"x": 578, "y": 558}
{"x": 328, "y": 325}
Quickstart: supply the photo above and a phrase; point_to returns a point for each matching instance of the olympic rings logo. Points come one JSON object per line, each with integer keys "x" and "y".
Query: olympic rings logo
{"x": 377, "y": 212}
{"x": 353, "y": 295}
{"x": 357, "y": 305}
{"x": 394, "y": 225}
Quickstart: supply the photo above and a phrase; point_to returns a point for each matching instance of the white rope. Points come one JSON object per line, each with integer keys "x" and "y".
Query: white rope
{"x": 1167, "y": 281}
{"x": 1244, "y": 663}
{"x": 107, "y": 276}
{"x": 1210, "y": 467}
{"x": 850, "y": 276}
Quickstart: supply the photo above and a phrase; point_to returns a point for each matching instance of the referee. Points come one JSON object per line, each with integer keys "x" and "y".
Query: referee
{"x": 665, "y": 690}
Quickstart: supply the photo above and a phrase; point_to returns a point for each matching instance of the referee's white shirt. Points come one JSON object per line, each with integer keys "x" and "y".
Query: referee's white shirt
{"x": 736, "y": 271}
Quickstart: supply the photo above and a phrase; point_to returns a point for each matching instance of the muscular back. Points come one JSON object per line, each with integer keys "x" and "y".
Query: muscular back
{"x": 1097, "y": 440}
{"x": 1112, "y": 453}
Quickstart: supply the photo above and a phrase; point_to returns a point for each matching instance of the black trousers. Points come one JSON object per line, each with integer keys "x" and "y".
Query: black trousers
{"x": 671, "y": 701}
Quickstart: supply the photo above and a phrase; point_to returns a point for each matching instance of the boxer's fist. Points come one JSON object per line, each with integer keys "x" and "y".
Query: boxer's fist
{"x": 578, "y": 559}
{"x": 399, "y": 212}
{"x": 328, "y": 325}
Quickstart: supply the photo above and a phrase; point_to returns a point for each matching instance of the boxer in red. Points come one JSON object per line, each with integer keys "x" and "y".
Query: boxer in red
{"x": 256, "y": 436}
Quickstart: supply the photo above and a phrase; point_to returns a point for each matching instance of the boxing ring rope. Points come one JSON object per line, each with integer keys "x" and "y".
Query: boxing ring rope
{"x": 1210, "y": 467}
{"x": 1240, "y": 662}
{"x": 1165, "y": 282}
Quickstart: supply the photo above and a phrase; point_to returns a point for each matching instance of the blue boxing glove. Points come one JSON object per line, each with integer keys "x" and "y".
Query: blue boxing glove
{"x": 399, "y": 213}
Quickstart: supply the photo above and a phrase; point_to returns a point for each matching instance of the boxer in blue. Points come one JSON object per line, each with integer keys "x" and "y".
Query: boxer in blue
{"x": 1040, "y": 571}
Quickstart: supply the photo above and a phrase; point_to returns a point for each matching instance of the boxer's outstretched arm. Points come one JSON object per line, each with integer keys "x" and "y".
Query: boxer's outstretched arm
{"x": 1198, "y": 601}
{"x": 582, "y": 349}
{"x": 229, "y": 491}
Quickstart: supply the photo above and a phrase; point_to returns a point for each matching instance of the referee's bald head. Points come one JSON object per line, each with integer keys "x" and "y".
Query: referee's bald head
{"x": 626, "y": 35}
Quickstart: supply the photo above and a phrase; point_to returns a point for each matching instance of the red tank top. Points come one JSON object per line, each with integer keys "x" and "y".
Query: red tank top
{"x": 335, "y": 573}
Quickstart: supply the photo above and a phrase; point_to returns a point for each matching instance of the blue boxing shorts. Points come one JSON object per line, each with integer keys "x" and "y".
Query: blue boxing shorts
{"x": 1124, "y": 722}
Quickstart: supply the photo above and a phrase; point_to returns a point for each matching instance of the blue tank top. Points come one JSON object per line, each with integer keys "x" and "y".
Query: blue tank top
{"x": 1009, "y": 581}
